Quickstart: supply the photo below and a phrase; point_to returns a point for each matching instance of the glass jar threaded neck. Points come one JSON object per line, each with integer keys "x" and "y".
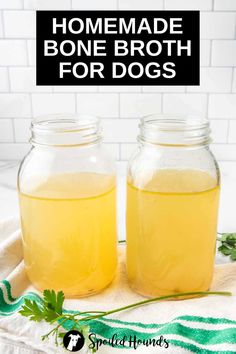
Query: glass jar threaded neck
{"x": 65, "y": 130}
{"x": 174, "y": 131}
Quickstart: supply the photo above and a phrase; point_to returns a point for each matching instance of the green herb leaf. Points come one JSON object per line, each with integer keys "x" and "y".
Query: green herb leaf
{"x": 32, "y": 310}
{"x": 223, "y": 237}
{"x": 224, "y": 250}
{"x": 53, "y": 301}
{"x": 233, "y": 255}
{"x": 228, "y": 245}
{"x": 48, "y": 311}
{"x": 51, "y": 311}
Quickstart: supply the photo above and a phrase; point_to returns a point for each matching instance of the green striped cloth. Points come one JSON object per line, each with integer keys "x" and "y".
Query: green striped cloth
{"x": 203, "y": 325}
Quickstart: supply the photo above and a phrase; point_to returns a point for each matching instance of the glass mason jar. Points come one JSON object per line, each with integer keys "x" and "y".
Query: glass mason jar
{"x": 67, "y": 194}
{"x": 172, "y": 207}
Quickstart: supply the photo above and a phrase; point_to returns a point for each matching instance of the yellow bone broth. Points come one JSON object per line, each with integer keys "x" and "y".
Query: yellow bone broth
{"x": 69, "y": 232}
{"x": 171, "y": 232}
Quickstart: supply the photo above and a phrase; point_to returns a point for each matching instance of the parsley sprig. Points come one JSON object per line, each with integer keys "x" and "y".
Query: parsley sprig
{"x": 227, "y": 245}
{"x": 51, "y": 310}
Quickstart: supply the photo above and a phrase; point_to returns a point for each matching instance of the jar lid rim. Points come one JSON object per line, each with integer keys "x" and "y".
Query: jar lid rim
{"x": 66, "y": 130}
{"x": 64, "y": 123}
{"x": 174, "y": 122}
{"x": 175, "y": 130}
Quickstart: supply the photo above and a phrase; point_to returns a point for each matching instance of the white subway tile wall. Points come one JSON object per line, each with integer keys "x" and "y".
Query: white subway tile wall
{"x": 94, "y": 4}
{"x": 15, "y": 105}
{"x": 133, "y": 105}
{"x": 203, "y": 5}
{"x": 1, "y": 26}
{"x": 49, "y": 103}
{"x": 119, "y": 107}
{"x": 141, "y": 4}
{"x": 227, "y": 5}
{"x": 47, "y": 4}
{"x": 186, "y": 104}
{"x": 217, "y": 25}
{"x": 205, "y": 52}
{"x": 23, "y": 80}
{"x": 13, "y": 52}
{"x": 21, "y": 129}
{"x": 11, "y": 4}
{"x": 215, "y": 80}
{"x": 222, "y": 106}
{"x": 104, "y": 105}
{"x": 234, "y": 81}
{"x": 19, "y": 24}
{"x": 4, "y": 82}
{"x": 223, "y": 53}
{"x": 6, "y": 132}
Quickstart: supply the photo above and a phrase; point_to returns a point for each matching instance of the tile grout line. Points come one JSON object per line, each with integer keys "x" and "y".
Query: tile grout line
{"x": 119, "y": 144}
{"x": 9, "y": 81}
{"x": 232, "y": 80}
{"x": 188, "y": 93}
{"x": 149, "y": 93}
{"x": 31, "y": 106}
{"x": 234, "y": 25}
{"x": 207, "y": 106}
{"x": 76, "y": 103}
{"x": 203, "y": 11}
{"x": 211, "y": 49}
{"x": 3, "y": 25}
{"x": 228, "y": 126}
{"x": 162, "y": 102}
{"x": 28, "y": 54}
{"x": 14, "y": 131}
{"x": 119, "y": 103}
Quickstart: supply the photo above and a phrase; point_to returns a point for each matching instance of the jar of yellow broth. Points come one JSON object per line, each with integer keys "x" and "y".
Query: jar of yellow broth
{"x": 172, "y": 207}
{"x": 67, "y": 194}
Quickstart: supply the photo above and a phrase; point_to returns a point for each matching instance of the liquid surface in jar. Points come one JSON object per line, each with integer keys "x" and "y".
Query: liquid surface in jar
{"x": 171, "y": 232}
{"x": 69, "y": 232}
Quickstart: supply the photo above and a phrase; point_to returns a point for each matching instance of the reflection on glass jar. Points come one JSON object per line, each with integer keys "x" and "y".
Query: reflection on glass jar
{"x": 67, "y": 192}
{"x": 172, "y": 207}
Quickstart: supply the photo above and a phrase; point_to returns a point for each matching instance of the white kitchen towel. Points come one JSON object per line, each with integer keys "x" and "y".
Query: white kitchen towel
{"x": 202, "y": 325}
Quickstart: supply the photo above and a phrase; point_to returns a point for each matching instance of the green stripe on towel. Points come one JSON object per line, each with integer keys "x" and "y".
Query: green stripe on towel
{"x": 200, "y": 338}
